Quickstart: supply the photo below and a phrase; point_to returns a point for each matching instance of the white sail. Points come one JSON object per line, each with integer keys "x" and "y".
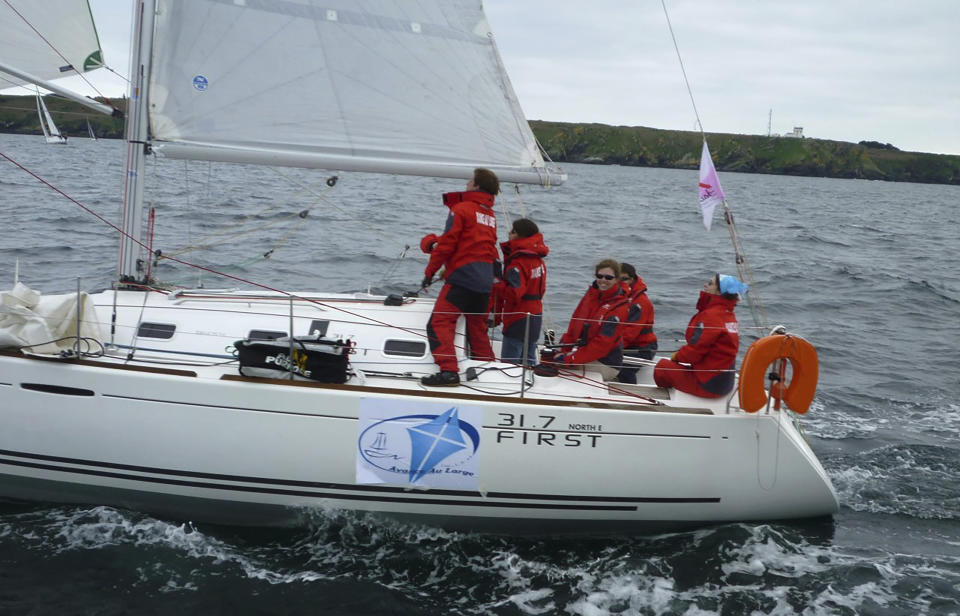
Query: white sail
{"x": 41, "y": 111}
{"x": 50, "y": 131}
{"x": 49, "y": 39}
{"x": 372, "y": 85}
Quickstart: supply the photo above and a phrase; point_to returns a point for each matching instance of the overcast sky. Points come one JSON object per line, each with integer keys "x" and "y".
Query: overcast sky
{"x": 880, "y": 70}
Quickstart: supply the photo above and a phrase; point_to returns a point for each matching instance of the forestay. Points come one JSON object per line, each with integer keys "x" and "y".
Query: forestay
{"x": 49, "y": 39}
{"x": 369, "y": 85}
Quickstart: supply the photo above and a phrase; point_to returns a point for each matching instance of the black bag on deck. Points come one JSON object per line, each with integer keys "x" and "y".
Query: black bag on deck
{"x": 314, "y": 359}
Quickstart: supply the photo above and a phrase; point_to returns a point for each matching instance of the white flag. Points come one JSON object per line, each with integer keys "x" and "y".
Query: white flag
{"x": 711, "y": 194}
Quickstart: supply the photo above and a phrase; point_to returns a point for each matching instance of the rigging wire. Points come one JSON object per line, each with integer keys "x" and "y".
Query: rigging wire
{"x": 396, "y": 262}
{"x": 321, "y": 197}
{"x": 224, "y": 234}
{"x": 743, "y": 267}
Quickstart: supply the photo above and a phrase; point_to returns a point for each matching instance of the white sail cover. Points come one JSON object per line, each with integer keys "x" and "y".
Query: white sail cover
{"x": 391, "y": 86}
{"x": 48, "y": 39}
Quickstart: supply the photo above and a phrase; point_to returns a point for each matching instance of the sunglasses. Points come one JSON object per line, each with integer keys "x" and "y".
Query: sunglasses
{"x": 626, "y": 278}
{"x": 605, "y": 277}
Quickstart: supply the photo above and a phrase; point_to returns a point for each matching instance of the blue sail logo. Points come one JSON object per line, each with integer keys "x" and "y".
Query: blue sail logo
{"x": 411, "y": 448}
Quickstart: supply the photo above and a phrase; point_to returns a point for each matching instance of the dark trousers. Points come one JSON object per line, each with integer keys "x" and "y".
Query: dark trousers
{"x": 629, "y": 375}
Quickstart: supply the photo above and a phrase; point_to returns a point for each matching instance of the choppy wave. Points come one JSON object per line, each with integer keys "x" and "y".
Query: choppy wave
{"x": 913, "y": 480}
{"x": 739, "y": 568}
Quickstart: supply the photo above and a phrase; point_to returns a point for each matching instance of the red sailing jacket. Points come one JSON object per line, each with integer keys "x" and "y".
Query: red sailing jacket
{"x": 595, "y": 327}
{"x": 638, "y": 331}
{"x": 468, "y": 246}
{"x": 522, "y": 287}
{"x": 713, "y": 339}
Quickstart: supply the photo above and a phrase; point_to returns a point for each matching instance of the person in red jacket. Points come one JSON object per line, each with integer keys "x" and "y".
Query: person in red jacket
{"x": 638, "y": 337}
{"x": 595, "y": 328}
{"x": 705, "y": 365}
{"x": 466, "y": 250}
{"x": 520, "y": 291}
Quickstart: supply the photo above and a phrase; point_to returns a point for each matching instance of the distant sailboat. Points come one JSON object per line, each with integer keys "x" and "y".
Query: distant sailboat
{"x": 90, "y": 132}
{"x": 50, "y": 130}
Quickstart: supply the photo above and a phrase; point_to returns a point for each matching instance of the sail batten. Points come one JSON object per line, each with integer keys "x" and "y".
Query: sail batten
{"x": 365, "y": 82}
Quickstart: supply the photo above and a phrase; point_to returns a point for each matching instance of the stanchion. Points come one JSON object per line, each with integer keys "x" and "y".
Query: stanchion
{"x": 290, "y": 364}
{"x": 523, "y": 354}
{"x": 76, "y": 344}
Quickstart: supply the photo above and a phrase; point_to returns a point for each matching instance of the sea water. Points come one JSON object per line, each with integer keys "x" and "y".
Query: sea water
{"x": 867, "y": 271}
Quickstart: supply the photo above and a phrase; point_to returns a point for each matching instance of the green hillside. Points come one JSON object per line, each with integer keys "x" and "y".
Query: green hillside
{"x": 18, "y": 114}
{"x": 650, "y": 147}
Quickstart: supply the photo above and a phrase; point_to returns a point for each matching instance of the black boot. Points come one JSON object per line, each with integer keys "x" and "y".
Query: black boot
{"x": 444, "y": 378}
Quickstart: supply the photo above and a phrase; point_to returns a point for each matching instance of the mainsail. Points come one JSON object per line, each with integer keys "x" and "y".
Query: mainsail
{"x": 387, "y": 86}
{"x": 50, "y": 131}
{"x": 28, "y": 29}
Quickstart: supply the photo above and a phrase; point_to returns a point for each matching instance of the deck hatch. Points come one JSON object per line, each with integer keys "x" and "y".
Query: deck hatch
{"x": 264, "y": 334}
{"x": 405, "y": 348}
{"x": 163, "y": 331}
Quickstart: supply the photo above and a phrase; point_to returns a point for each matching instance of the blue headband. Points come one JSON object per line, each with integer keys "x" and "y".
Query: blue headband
{"x": 730, "y": 284}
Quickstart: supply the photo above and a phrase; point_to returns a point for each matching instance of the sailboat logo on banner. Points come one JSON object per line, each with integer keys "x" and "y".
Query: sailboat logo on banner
{"x": 422, "y": 449}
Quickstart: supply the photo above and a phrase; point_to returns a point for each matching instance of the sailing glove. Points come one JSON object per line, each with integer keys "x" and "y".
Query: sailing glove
{"x": 428, "y": 242}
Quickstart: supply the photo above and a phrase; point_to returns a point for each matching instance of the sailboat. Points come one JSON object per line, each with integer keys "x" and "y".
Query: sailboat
{"x": 138, "y": 404}
{"x": 90, "y": 132}
{"x": 50, "y": 131}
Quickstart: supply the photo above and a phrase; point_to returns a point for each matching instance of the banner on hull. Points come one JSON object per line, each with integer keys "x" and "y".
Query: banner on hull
{"x": 418, "y": 444}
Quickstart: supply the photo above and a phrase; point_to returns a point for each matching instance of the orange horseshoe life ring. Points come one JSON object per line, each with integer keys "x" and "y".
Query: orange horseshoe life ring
{"x": 753, "y": 373}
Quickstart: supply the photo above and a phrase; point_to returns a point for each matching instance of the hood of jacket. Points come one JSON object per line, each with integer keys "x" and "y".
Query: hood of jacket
{"x": 450, "y": 199}
{"x": 711, "y": 300}
{"x": 637, "y": 286}
{"x": 532, "y": 245}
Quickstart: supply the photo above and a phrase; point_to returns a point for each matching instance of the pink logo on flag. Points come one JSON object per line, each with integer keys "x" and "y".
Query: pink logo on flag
{"x": 711, "y": 194}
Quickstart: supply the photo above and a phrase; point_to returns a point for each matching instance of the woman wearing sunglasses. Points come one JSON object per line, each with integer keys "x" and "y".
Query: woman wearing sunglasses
{"x": 594, "y": 332}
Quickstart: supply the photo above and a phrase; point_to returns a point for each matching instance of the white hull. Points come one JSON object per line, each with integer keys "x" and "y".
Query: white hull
{"x": 201, "y": 442}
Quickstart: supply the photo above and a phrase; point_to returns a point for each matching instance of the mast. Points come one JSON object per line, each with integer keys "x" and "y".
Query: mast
{"x": 130, "y": 264}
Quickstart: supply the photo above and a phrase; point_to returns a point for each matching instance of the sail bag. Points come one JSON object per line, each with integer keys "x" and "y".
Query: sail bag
{"x": 309, "y": 358}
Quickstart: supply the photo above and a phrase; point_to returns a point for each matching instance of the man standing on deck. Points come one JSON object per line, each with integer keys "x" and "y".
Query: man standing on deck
{"x": 467, "y": 251}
